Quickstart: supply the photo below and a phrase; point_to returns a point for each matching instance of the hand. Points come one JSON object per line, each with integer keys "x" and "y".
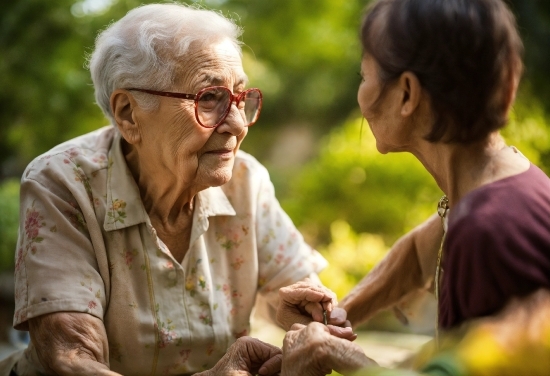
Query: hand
{"x": 312, "y": 350}
{"x": 304, "y": 302}
{"x": 248, "y": 356}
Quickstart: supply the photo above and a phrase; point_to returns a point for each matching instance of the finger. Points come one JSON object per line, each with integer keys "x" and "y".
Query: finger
{"x": 337, "y": 316}
{"x": 328, "y": 306}
{"x": 259, "y": 350}
{"x": 288, "y": 318}
{"x": 297, "y": 327}
{"x": 344, "y": 333}
{"x": 317, "y": 327}
{"x": 315, "y": 310}
{"x": 272, "y": 366}
{"x": 300, "y": 292}
{"x": 298, "y": 296}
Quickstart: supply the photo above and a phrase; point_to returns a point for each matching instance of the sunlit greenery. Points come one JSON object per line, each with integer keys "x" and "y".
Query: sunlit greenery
{"x": 9, "y": 222}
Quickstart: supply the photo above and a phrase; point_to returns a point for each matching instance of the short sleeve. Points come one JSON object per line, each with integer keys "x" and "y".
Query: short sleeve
{"x": 283, "y": 255}
{"x": 56, "y": 267}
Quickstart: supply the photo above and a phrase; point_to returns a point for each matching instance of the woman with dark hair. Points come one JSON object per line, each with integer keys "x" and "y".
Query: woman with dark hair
{"x": 440, "y": 85}
{"x": 438, "y": 81}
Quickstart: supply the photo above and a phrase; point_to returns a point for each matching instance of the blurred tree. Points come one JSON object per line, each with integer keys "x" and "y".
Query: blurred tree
{"x": 45, "y": 96}
{"x": 533, "y": 17}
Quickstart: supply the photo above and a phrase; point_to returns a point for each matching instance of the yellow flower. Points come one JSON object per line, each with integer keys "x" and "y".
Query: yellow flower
{"x": 189, "y": 284}
{"x": 119, "y": 204}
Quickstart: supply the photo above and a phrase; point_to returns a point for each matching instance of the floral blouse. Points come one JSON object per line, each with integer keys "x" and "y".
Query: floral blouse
{"x": 86, "y": 244}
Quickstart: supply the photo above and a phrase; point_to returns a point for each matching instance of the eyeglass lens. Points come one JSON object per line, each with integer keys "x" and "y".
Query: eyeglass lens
{"x": 214, "y": 104}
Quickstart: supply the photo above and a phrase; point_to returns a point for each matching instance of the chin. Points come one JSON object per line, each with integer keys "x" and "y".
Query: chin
{"x": 382, "y": 149}
{"x": 220, "y": 177}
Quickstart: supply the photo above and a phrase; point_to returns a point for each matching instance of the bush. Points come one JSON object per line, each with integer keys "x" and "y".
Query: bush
{"x": 9, "y": 222}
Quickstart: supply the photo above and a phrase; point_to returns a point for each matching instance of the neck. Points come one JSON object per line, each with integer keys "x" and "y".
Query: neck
{"x": 458, "y": 169}
{"x": 164, "y": 196}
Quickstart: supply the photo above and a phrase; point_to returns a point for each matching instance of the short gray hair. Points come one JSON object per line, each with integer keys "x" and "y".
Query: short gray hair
{"x": 142, "y": 48}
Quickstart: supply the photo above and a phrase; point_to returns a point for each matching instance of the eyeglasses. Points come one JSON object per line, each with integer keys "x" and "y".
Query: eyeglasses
{"x": 212, "y": 104}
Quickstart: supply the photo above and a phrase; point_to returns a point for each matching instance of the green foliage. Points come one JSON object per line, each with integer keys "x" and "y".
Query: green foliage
{"x": 9, "y": 222}
{"x": 351, "y": 181}
{"x": 533, "y": 18}
{"x": 349, "y": 255}
{"x": 529, "y": 130}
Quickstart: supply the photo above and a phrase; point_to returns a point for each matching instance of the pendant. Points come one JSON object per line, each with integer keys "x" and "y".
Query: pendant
{"x": 443, "y": 206}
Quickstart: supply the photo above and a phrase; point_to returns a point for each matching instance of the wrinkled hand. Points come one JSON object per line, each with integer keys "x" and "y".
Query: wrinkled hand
{"x": 248, "y": 356}
{"x": 312, "y": 351}
{"x": 305, "y": 301}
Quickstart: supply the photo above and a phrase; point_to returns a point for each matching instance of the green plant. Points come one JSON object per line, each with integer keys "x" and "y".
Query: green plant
{"x": 351, "y": 181}
{"x": 9, "y": 222}
{"x": 349, "y": 254}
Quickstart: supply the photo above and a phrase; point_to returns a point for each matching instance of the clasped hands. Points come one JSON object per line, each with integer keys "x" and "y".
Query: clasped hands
{"x": 310, "y": 348}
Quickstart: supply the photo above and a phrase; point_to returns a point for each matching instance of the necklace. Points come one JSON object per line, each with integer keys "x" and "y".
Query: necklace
{"x": 442, "y": 210}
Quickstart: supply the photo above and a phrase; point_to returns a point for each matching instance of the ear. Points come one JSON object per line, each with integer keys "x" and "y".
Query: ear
{"x": 412, "y": 93}
{"x": 123, "y": 106}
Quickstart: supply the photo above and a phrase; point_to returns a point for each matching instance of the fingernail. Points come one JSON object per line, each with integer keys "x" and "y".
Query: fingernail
{"x": 262, "y": 370}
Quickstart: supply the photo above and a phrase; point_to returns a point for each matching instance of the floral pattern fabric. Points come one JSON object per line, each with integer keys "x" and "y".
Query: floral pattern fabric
{"x": 86, "y": 244}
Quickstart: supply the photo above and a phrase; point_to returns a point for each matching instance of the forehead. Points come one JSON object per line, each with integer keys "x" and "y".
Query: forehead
{"x": 217, "y": 63}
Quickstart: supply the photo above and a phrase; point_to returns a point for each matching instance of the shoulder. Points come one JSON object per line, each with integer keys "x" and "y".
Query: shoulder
{"x": 511, "y": 214}
{"x": 87, "y": 153}
{"x": 507, "y": 202}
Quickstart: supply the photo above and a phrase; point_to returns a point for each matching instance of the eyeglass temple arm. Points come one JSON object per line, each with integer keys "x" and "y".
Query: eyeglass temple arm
{"x": 166, "y": 94}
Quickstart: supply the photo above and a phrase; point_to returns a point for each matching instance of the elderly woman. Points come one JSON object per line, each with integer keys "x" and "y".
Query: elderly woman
{"x": 143, "y": 245}
{"x": 438, "y": 81}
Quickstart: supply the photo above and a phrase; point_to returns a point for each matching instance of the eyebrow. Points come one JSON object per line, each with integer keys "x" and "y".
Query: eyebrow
{"x": 219, "y": 81}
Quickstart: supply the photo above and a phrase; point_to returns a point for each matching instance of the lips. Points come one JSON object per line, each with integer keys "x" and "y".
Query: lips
{"x": 220, "y": 151}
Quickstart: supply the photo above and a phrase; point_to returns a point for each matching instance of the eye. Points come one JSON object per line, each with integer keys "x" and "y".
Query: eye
{"x": 209, "y": 96}
{"x": 360, "y": 74}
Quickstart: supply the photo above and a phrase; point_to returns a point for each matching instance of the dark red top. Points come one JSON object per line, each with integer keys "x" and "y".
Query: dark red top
{"x": 497, "y": 247}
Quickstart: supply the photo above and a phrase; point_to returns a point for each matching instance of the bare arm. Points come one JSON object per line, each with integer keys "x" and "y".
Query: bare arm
{"x": 70, "y": 343}
{"x": 409, "y": 266}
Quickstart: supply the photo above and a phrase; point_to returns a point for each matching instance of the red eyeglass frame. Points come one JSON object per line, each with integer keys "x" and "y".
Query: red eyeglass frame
{"x": 195, "y": 97}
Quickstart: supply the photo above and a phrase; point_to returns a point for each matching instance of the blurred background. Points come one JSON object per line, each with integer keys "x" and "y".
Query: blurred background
{"x": 350, "y": 202}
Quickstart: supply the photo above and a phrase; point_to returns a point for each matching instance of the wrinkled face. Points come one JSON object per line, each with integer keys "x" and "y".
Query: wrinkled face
{"x": 198, "y": 156}
{"x": 381, "y": 110}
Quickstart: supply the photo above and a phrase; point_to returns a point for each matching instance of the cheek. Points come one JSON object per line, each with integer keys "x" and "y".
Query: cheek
{"x": 364, "y": 99}
{"x": 241, "y": 137}
{"x": 185, "y": 135}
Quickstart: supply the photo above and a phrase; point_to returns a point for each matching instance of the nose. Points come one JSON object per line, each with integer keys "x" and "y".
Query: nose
{"x": 234, "y": 121}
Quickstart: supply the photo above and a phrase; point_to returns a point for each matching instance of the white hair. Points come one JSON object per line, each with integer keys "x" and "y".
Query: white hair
{"x": 142, "y": 49}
